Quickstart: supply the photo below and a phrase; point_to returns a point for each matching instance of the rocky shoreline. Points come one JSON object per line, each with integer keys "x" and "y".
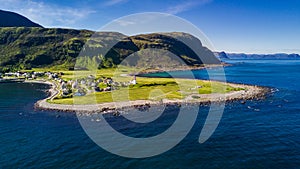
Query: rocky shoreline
{"x": 250, "y": 93}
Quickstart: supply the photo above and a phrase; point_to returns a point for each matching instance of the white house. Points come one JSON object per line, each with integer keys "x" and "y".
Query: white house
{"x": 133, "y": 81}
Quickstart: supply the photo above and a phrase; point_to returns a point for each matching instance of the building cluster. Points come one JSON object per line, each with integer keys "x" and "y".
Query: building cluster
{"x": 33, "y": 75}
{"x": 78, "y": 87}
{"x": 90, "y": 84}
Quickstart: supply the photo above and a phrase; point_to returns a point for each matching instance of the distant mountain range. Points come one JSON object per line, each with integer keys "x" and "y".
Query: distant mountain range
{"x": 11, "y": 19}
{"x": 224, "y": 56}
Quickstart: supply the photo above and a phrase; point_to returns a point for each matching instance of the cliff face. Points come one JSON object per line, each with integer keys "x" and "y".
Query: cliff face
{"x": 11, "y": 19}
{"x": 24, "y": 47}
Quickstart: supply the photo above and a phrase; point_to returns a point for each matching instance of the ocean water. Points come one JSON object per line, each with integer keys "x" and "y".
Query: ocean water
{"x": 258, "y": 134}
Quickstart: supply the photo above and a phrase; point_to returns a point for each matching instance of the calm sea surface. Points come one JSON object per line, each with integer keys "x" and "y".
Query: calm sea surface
{"x": 258, "y": 134}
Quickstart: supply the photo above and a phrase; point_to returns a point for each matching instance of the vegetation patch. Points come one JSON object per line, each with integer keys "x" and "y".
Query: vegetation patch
{"x": 155, "y": 89}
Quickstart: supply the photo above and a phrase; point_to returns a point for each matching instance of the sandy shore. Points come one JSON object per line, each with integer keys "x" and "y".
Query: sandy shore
{"x": 250, "y": 92}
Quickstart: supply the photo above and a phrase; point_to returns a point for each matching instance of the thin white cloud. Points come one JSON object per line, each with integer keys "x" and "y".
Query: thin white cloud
{"x": 186, "y": 6}
{"x": 46, "y": 14}
{"x": 125, "y": 23}
{"x": 114, "y": 2}
{"x": 291, "y": 50}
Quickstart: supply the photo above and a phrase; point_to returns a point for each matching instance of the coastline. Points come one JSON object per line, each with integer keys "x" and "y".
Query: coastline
{"x": 53, "y": 91}
{"x": 250, "y": 93}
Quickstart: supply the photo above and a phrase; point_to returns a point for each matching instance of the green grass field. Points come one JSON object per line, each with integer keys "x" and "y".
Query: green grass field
{"x": 151, "y": 89}
{"x": 145, "y": 89}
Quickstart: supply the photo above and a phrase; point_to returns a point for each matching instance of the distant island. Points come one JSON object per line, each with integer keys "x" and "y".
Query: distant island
{"x": 223, "y": 55}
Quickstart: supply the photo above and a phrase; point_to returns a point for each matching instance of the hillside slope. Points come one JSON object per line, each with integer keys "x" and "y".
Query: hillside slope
{"x": 25, "y": 48}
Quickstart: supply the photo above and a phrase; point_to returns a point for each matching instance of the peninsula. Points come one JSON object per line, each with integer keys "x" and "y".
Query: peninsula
{"x": 89, "y": 71}
{"x": 107, "y": 92}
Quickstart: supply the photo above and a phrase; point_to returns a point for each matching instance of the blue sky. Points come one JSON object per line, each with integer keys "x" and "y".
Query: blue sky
{"x": 249, "y": 26}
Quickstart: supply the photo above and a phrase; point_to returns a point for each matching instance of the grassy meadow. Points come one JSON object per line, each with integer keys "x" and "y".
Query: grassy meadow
{"x": 145, "y": 89}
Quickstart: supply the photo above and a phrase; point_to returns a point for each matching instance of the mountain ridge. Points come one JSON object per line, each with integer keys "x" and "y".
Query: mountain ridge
{"x": 12, "y": 19}
{"x": 25, "y": 45}
{"x": 26, "y": 48}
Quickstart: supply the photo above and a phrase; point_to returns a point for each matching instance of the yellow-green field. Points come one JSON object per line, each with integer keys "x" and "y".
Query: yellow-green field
{"x": 105, "y": 72}
{"x": 145, "y": 89}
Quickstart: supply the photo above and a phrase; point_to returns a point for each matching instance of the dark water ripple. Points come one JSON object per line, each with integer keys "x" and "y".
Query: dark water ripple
{"x": 258, "y": 134}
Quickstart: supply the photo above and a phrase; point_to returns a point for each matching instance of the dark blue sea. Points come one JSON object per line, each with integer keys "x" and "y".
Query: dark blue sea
{"x": 258, "y": 134}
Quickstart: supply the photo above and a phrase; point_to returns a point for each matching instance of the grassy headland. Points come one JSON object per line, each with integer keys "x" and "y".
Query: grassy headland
{"x": 155, "y": 89}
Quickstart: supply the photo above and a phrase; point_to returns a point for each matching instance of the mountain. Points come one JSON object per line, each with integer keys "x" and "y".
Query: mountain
{"x": 11, "y": 19}
{"x": 162, "y": 50}
{"x": 25, "y": 48}
{"x": 223, "y": 55}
